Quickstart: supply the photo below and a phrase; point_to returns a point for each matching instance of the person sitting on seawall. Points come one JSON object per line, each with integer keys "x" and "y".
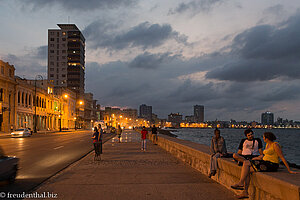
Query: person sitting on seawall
{"x": 249, "y": 147}
{"x": 217, "y": 150}
{"x": 268, "y": 162}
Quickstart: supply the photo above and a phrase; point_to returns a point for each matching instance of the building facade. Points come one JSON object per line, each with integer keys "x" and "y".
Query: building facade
{"x": 146, "y": 112}
{"x": 199, "y": 113}
{"x": 66, "y": 58}
{"x": 7, "y": 96}
{"x": 267, "y": 118}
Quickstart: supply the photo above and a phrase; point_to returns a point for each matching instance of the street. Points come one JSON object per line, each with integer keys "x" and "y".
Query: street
{"x": 43, "y": 155}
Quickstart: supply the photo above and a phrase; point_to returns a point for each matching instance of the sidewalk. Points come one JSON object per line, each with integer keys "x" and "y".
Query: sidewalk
{"x": 125, "y": 172}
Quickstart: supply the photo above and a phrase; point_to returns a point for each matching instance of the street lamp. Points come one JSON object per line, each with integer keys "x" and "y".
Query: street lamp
{"x": 80, "y": 102}
{"x": 40, "y": 77}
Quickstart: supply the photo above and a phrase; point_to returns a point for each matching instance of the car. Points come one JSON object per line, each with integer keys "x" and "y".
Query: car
{"x": 21, "y": 132}
{"x": 8, "y": 167}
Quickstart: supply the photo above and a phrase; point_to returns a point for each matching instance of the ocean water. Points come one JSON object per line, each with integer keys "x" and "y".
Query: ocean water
{"x": 289, "y": 139}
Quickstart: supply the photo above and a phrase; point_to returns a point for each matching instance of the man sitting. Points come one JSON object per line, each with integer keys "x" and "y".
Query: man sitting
{"x": 249, "y": 147}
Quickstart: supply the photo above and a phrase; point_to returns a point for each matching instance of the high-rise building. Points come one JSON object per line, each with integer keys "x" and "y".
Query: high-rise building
{"x": 267, "y": 118}
{"x": 199, "y": 113}
{"x": 146, "y": 112}
{"x": 66, "y": 57}
{"x": 175, "y": 118}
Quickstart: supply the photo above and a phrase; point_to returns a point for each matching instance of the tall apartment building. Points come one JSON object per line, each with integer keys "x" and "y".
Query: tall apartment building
{"x": 267, "y": 118}
{"x": 199, "y": 113}
{"x": 66, "y": 57}
{"x": 146, "y": 112}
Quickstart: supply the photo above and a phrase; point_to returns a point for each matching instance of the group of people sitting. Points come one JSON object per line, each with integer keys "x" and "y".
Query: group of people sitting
{"x": 250, "y": 155}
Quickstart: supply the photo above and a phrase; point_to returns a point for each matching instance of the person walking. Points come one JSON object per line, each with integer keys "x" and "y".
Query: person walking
{"x": 154, "y": 134}
{"x": 144, "y": 133}
{"x": 96, "y": 137}
{"x": 217, "y": 150}
{"x": 119, "y": 132}
{"x": 100, "y": 130}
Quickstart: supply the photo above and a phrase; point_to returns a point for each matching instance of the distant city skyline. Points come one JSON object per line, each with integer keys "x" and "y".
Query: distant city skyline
{"x": 238, "y": 58}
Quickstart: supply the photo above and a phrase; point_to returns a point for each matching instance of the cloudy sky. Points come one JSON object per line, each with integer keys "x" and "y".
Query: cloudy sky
{"x": 237, "y": 58}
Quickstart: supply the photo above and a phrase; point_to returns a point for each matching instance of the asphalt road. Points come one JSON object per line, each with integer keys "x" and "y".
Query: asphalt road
{"x": 43, "y": 155}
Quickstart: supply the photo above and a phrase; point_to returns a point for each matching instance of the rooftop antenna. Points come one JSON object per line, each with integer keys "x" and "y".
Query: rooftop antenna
{"x": 68, "y": 19}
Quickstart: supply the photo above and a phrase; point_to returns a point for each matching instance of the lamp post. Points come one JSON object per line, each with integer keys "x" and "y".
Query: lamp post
{"x": 80, "y": 102}
{"x": 35, "y": 99}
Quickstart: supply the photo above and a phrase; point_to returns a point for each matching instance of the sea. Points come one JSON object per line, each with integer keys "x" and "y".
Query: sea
{"x": 289, "y": 139}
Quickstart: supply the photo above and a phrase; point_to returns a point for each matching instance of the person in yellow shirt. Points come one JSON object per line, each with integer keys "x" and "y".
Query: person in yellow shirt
{"x": 268, "y": 162}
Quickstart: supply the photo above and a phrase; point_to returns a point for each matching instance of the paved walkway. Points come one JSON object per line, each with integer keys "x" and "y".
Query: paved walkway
{"x": 125, "y": 172}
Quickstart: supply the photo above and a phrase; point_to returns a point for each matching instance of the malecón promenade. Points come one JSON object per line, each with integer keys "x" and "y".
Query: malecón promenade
{"x": 173, "y": 169}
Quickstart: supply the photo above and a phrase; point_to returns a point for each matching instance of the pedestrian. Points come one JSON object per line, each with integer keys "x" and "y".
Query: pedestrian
{"x": 154, "y": 134}
{"x": 119, "y": 132}
{"x": 96, "y": 137}
{"x": 144, "y": 133}
{"x": 217, "y": 150}
{"x": 249, "y": 147}
{"x": 267, "y": 162}
{"x": 100, "y": 130}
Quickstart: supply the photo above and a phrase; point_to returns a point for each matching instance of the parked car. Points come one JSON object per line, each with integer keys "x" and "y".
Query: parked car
{"x": 21, "y": 132}
{"x": 8, "y": 167}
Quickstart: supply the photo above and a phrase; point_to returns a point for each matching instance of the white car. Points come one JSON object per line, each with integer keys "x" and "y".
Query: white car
{"x": 21, "y": 132}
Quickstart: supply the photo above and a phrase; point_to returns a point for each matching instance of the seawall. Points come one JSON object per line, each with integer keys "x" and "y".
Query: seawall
{"x": 263, "y": 185}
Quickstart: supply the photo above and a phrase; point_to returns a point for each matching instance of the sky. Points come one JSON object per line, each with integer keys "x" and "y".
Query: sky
{"x": 237, "y": 58}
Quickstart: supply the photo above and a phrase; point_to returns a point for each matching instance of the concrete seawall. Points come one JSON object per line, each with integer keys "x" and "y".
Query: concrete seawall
{"x": 263, "y": 185}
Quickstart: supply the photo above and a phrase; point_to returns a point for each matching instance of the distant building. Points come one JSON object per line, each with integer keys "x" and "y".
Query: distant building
{"x": 175, "y": 118}
{"x": 190, "y": 119}
{"x": 199, "y": 113}
{"x": 146, "y": 112}
{"x": 130, "y": 113}
{"x": 267, "y": 118}
{"x": 66, "y": 58}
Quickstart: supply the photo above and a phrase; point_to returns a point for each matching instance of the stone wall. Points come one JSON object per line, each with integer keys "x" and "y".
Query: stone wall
{"x": 263, "y": 185}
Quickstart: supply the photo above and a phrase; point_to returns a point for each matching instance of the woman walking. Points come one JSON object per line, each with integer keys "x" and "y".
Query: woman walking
{"x": 119, "y": 132}
{"x": 96, "y": 142}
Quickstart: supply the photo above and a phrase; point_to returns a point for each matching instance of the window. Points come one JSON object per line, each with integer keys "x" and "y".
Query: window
{"x": 51, "y": 33}
{"x": 2, "y": 70}
{"x": 63, "y": 51}
{"x": 63, "y": 39}
{"x": 57, "y": 34}
{"x": 51, "y": 63}
{"x": 11, "y": 74}
{"x": 51, "y": 69}
{"x": 51, "y": 75}
{"x": 63, "y": 69}
{"x": 51, "y": 51}
{"x": 57, "y": 39}
{"x": 57, "y": 46}
{"x": 63, "y": 75}
{"x": 19, "y": 97}
{"x": 51, "y": 45}
{"x": 63, "y": 45}
{"x": 63, "y": 57}
{"x": 52, "y": 39}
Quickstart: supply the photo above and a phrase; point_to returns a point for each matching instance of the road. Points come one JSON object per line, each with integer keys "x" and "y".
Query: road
{"x": 43, "y": 155}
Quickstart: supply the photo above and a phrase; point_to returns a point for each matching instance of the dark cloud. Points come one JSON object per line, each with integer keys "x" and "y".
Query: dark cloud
{"x": 41, "y": 52}
{"x": 195, "y": 7}
{"x": 79, "y": 5}
{"x": 100, "y": 34}
{"x": 263, "y": 53}
{"x": 150, "y": 61}
{"x": 27, "y": 66}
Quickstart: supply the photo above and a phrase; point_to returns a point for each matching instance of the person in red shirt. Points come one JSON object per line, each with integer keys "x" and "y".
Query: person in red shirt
{"x": 144, "y": 133}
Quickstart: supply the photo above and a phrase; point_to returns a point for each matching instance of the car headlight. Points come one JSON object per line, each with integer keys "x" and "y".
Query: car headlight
{"x": 21, "y": 133}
